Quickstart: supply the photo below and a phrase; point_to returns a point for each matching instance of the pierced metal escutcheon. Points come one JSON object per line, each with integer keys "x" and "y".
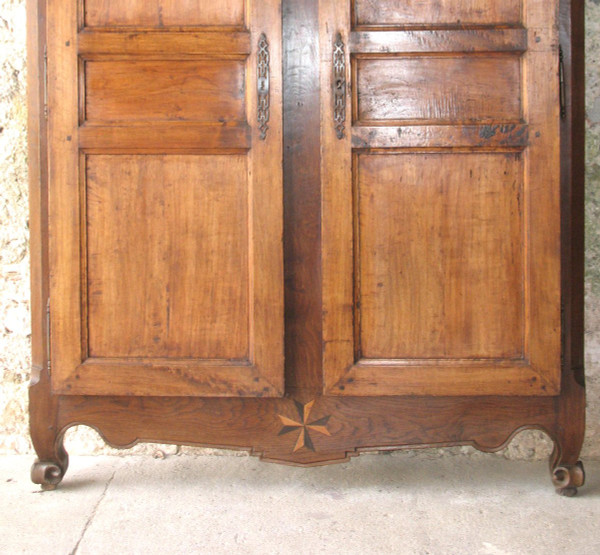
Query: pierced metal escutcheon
{"x": 339, "y": 86}
{"x": 262, "y": 85}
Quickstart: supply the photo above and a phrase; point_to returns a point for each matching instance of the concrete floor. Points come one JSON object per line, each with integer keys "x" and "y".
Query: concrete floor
{"x": 404, "y": 503}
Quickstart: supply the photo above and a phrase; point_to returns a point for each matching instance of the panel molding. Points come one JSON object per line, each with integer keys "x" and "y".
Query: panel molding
{"x": 531, "y": 38}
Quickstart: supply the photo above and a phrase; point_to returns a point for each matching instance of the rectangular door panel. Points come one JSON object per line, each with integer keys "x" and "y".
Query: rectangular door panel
{"x": 428, "y": 89}
{"x": 163, "y": 13}
{"x": 181, "y": 90}
{"x": 190, "y": 294}
{"x": 165, "y": 189}
{"x": 462, "y": 13}
{"x": 439, "y": 256}
{"x": 440, "y": 172}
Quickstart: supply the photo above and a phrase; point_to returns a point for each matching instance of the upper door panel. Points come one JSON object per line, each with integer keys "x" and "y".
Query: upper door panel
{"x": 441, "y": 235}
{"x": 165, "y": 175}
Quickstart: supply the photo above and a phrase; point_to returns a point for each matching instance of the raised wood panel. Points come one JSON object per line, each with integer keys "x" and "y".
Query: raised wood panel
{"x": 440, "y": 255}
{"x": 163, "y": 13}
{"x": 436, "y": 12}
{"x": 419, "y": 89}
{"x": 135, "y": 90}
{"x": 438, "y": 89}
{"x": 167, "y": 256}
{"x": 166, "y": 228}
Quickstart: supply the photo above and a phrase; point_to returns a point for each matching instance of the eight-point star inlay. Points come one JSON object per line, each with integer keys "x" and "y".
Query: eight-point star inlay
{"x": 304, "y": 426}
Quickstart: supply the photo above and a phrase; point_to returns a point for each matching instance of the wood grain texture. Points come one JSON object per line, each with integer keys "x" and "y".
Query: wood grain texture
{"x": 177, "y": 228}
{"x": 436, "y": 12}
{"x": 440, "y": 256}
{"x": 425, "y": 40}
{"x": 166, "y": 44}
{"x": 354, "y": 425}
{"x": 172, "y": 261}
{"x": 444, "y": 89}
{"x": 302, "y": 195}
{"x": 389, "y": 112}
{"x": 339, "y": 426}
{"x": 163, "y": 13}
{"x": 175, "y": 90}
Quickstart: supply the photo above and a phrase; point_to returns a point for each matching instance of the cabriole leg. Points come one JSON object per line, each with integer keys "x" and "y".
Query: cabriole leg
{"x": 50, "y": 467}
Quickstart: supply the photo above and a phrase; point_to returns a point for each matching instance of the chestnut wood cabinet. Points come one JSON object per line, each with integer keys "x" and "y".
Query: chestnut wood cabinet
{"x": 307, "y": 228}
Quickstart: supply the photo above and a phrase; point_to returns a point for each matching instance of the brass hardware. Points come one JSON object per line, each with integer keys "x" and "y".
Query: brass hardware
{"x": 339, "y": 86}
{"x": 262, "y": 85}
{"x": 561, "y": 83}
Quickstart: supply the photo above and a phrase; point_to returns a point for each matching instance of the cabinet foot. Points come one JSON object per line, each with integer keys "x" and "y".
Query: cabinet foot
{"x": 47, "y": 437}
{"x": 567, "y": 478}
{"x": 47, "y": 473}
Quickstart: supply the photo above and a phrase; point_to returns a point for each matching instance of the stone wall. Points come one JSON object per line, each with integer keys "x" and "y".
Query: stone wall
{"x": 14, "y": 276}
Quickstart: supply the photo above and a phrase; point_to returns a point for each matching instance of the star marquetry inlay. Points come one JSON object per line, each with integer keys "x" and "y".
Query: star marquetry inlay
{"x": 304, "y": 426}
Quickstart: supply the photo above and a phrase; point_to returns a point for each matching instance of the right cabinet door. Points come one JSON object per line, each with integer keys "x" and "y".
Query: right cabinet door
{"x": 441, "y": 197}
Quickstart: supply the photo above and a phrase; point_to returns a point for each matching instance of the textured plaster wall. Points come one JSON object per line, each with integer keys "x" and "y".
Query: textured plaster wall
{"x": 14, "y": 273}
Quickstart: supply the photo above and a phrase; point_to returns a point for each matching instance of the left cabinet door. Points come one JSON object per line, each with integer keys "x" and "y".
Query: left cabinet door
{"x": 165, "y": 197}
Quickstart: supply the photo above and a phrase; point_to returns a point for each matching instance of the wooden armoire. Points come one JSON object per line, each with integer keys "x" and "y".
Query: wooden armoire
{"x": 307, "y": 228}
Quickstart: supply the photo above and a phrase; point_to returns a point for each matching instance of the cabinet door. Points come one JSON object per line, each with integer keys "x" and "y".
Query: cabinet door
{"x": 165, "y": 210}
{"x": 441, "y": 222}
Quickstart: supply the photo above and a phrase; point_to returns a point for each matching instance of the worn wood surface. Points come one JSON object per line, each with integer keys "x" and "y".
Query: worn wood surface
{"x": 163, "y": 13}
{"x": 388, "y": 277}
{"x": 344, "y": 200}
{"x": 302, "y": 195}
{"x": 458, "y": 13}
{"x": 166, "y": 206}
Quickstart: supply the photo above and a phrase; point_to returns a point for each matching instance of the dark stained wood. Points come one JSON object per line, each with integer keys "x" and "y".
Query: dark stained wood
{"x": 419, "y": 41}
{"x": 354, "y": 424}
{"x": 499, "y": 136}
{"x": 302, "y": 195}
{"x": 308, "y": 427}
